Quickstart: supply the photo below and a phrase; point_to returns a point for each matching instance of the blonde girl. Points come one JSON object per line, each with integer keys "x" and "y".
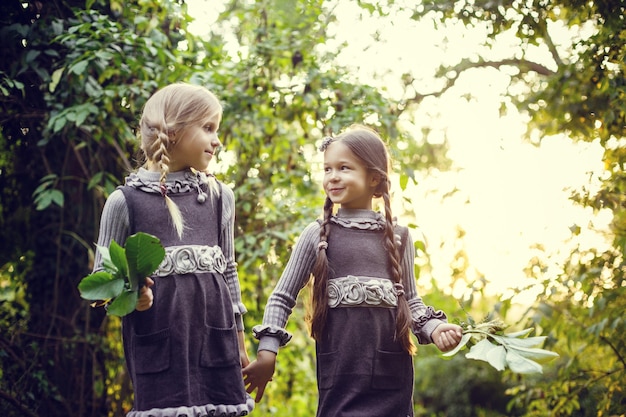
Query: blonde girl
{"x": 365, "y": 304}
{"x": 183, "y": 344}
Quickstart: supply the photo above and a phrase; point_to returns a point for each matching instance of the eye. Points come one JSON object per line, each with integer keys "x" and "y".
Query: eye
{"x": 209, "y": 128}
{"x": 344, "y": 167}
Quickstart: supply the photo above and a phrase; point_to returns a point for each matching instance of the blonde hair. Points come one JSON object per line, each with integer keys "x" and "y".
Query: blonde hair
{"x": 165, "y": 115}
{"x": 369, "y": 148}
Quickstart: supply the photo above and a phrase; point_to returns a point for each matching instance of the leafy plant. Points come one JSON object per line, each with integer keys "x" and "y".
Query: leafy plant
{"x": 125, "y": 269}
{"x": 488, "y": 342}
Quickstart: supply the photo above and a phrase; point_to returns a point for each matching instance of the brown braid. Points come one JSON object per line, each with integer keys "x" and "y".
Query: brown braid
{"x": 320, "y": 272}
{"x": 403, "y": 319}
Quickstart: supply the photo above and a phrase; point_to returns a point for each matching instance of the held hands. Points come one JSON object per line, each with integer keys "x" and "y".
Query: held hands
{"x": 259, "y": 373}
{"x": 146, "y": 297}
{"x": 446, "y": 336}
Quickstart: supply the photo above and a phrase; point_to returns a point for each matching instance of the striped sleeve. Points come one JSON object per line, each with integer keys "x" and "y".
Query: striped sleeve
{"x": 296, "y": 275}
{"x": 114, "y": 225}
{"x": 228, "y": 248}
{"x": 425, "y": 318}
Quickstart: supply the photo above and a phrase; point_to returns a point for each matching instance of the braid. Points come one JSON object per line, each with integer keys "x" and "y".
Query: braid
{"x": 320, "y": 272}
{"x": 403, "y": 319}
{"x": 162, "y": 157}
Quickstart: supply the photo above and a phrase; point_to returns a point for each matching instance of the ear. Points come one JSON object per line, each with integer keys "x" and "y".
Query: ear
{"x": 374, "y": 180}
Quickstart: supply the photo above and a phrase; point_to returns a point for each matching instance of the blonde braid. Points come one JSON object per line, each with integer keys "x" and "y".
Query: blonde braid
{"x": 403, "y": 319}
{"x": 320, "y": 272}
{"x": 161, "y": 156}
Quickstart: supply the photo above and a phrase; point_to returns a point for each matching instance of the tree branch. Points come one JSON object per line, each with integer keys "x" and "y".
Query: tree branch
{"x": 17, "y": 404}
{"x": 524, "y": 66}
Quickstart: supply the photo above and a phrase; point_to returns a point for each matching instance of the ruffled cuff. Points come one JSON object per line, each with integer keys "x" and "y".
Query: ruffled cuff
{"x": 426, "y": 323}
{"x": 239, "y": 309}
{"x": 264, "y": 331}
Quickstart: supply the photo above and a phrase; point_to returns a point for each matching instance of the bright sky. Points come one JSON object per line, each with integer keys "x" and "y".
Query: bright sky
{"x": 511, "y": 195}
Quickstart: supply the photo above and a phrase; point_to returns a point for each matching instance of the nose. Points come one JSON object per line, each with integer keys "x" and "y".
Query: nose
{"x": 216, "y": 142}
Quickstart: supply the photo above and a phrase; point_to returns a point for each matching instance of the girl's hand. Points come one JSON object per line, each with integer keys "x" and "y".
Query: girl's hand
{"x": 243, "y": 352}
{"x": 146, "y": 297}
{"x": 446, "y": 336}
{"x": 259, "y": 373}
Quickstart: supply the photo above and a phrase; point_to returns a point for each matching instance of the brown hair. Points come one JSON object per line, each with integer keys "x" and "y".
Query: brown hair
{"x": 165, "y": 115}
{"x": 369, "y": 148}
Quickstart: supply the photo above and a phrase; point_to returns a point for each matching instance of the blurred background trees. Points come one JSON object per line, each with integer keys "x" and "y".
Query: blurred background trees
{"x": 73, "y": 78}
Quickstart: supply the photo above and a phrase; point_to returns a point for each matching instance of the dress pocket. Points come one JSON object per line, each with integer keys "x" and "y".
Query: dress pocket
{"x": 391, "y": 370}
{"x": 220, "y": 347}
{"x": 326, "y": 369}
{"x": 152, "y": 352}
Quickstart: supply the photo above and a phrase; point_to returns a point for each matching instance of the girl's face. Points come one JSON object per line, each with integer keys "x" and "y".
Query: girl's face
{"x": 195, "y": 145}
{"x": 346, "y": 180}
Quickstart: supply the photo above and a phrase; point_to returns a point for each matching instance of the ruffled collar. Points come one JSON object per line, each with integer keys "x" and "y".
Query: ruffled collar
{"x": 359, "y": 219}
{"x": 176, "y": 182}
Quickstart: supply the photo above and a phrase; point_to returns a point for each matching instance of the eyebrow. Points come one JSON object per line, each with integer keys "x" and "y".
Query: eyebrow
{"x": 343, "y": 161}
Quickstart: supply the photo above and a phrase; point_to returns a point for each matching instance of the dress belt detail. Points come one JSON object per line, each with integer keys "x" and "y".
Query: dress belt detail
{"x": 359, "y": 291}
{"x": 191, "y": 258}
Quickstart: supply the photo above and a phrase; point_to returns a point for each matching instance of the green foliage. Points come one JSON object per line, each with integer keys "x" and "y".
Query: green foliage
{"x": 579, "y": 91}
{"x": 457, "y": 387}
{"x": 516, "y": 351}
{"x": 125, "y": 269}
{"x": 72, "y": 83}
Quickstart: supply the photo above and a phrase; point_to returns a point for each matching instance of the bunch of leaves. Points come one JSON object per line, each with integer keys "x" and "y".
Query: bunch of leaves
{"x": 125, "y": 269}
{"x": 488, "y": 342}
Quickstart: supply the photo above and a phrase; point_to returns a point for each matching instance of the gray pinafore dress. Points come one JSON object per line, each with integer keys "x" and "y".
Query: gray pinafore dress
{"x": 182, "y": 353}
{"x": 361, "y": 370}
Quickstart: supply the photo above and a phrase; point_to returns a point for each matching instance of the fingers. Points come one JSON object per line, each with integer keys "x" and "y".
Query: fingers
{"x": 255, "y": 377}
{"x": 253, "y": 385}
{"x": 244, "y": 359}
{"x": 259, "y": 393}
{"x": 446, "y": 336}
{"x": 146, "y": 297}
{"x": 446, "y": 342}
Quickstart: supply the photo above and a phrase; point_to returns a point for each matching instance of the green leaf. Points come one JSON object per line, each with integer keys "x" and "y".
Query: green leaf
{"x": 45, "y": 198}
{"x": 144, "y": 253}
{"x": 520, "y": 333}
{"x": 527, "y": 342}
{"x": 486, "y": 351}
{"x": 118, "y": 258}
{"x": 536, "y": 354}
{"x": 107, "y": 264}
{"x": 521, "y": 365}
{"x": 100, "y": 286}
{"x": 123, "y": 304}
{"x": 79, "y": 67}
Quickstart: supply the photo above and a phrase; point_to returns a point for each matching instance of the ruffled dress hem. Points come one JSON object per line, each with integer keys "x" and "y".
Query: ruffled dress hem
{"x": 208, "y": 410}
